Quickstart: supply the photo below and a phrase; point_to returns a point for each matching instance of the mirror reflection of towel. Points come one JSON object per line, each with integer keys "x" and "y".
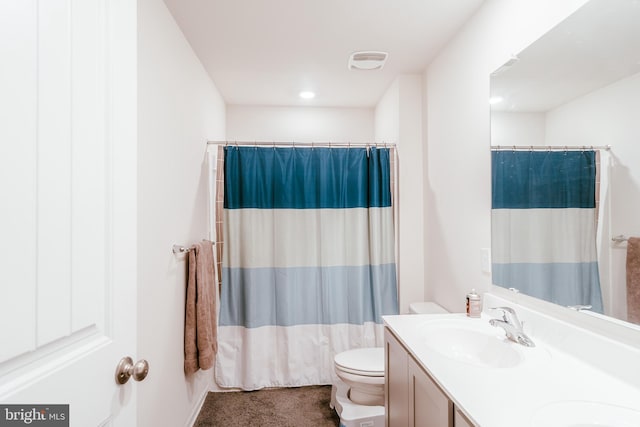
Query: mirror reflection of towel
{"x": 633, "y": 279}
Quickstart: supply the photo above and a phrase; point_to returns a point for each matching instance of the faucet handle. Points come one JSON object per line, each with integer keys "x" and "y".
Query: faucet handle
{"x": 507, "y": 309}
{"x": 509, "y": 315}
{"x": 504, "y": 311}
{"x": 580, "y": 307}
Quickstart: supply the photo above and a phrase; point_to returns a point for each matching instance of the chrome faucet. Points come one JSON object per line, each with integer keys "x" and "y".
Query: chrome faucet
{"x": 512, "y": 326}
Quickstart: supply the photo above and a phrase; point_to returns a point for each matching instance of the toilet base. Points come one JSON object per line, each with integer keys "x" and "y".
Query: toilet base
{"x": 352, "y": 414}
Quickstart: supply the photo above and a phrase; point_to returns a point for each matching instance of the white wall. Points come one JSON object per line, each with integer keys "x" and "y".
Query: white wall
{"x": 458, "y": 203}
{"x": 517, "y": 128}
{"x": 299, "y": 124}
{"x": 398, "y": 119}
{"x": 387, "y": 115}
{"x": 179, "y": 109}
{"x": 609, "y": 116}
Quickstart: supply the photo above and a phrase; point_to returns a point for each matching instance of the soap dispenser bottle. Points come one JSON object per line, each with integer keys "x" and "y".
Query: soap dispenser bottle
{"x": 474, "y": 304}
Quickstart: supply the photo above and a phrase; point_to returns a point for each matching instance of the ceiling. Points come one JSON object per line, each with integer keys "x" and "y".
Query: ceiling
{"x": 596, "y": 46}
{"x": 261, "y": 52}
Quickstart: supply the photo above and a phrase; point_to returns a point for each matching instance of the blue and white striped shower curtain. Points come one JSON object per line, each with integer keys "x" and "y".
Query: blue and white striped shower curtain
{"x": 308, "y": 264}
{"x": 543, "y": 222}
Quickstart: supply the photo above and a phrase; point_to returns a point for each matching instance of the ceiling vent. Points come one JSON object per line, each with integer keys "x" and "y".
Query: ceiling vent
{"x": 367, "y": 60}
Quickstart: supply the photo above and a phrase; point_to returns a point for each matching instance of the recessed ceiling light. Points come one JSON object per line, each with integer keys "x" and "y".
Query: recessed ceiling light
{"x": 495, "y": 100}
{"x": 307, "y": 94}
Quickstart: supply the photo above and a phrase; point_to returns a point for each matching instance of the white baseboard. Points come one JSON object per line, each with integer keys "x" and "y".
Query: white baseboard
{"x": 194, "y": 415}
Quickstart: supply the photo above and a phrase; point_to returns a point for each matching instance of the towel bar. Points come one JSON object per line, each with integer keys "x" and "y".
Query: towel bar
{"x": 181, "y": 249}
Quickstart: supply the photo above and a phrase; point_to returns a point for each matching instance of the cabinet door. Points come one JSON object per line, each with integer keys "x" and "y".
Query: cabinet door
{"x": 396, "y": 379}
{"x": 460, "y": 420}
{"x": 428, "y": 405}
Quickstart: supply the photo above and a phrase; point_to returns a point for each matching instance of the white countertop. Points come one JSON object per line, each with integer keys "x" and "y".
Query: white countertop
{"x": 512, "y": 397}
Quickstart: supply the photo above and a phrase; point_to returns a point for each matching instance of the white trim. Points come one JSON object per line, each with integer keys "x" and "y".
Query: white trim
{"x": 196, "y": 409}
{"x": 27, "y": 369}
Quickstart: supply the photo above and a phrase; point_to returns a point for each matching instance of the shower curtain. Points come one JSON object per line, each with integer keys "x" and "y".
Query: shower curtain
{"x": 308, "y": 263}
{"x": 544, "y": 225}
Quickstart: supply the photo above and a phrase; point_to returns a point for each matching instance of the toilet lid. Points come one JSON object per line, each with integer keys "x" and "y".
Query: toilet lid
{"x": 362, "y": 361}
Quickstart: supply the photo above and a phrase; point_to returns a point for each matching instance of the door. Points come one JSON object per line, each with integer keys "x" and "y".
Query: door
{"x": 460, "y": 420}
{"x": 68, "y": 218}
{"x": 396, "y": 382}
{"x": 428, "y": 405}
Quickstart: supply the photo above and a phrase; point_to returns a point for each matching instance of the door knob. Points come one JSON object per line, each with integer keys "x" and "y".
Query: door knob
{"x": 127, "y": 369}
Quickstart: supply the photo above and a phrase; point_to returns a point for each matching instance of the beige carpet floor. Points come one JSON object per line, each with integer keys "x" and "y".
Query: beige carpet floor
{"x": 281, "y": 407}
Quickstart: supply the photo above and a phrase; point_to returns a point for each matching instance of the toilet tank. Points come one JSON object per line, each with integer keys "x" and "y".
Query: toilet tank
{"x": 426, "y": 307}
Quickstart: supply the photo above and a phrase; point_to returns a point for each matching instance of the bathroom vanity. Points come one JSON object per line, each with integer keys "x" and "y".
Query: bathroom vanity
{"x": 451, "y": 370}
{"x": 412, "y": 397}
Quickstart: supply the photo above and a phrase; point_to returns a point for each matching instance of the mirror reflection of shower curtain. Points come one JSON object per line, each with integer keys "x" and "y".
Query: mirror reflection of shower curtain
{"x": 308, "y": 264}
{"x": 544, "y": 225}
{"x": 604, "y": 233}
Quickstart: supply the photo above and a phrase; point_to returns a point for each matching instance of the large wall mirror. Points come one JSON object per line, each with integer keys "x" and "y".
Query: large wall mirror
{"x": 565, "y": 136}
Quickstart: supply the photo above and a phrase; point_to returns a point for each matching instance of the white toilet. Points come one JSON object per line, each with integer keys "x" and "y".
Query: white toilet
{"x": 362, "y": 370}
{"x": 358, "y": 395}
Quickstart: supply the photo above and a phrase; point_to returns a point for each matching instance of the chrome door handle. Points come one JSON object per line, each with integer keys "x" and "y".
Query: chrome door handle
{"x": 127, "y": 369}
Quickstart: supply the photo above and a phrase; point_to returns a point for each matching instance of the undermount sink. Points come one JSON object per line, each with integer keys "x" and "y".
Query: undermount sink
{"x": 475, "y": 342}
{"x": 585, "y": 414}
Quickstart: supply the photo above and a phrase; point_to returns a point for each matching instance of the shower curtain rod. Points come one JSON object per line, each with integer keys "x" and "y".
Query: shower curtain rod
{"x": 549, "y": 147}
{"x": 303, "y": 144}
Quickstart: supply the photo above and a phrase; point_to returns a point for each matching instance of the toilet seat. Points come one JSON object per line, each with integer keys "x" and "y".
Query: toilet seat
{"x": 362, "y": 370}
{"x": 366, "y": 362}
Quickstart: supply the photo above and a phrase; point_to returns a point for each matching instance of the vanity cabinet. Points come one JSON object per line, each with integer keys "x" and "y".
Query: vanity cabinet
{"x": 459, "y": 420}
{"x": 396, "y": 393}
{"x": 428, "y": 405}
{"x": 412, "y": 398}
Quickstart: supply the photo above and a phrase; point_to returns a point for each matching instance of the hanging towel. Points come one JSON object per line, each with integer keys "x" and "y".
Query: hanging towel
{"x": 633, "y": 279}
{"x": 200, "y": 326}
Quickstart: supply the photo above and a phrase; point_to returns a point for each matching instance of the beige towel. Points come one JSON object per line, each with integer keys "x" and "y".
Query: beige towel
{"x": 633, "y": 279}
{"x": 200, "y": 326}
